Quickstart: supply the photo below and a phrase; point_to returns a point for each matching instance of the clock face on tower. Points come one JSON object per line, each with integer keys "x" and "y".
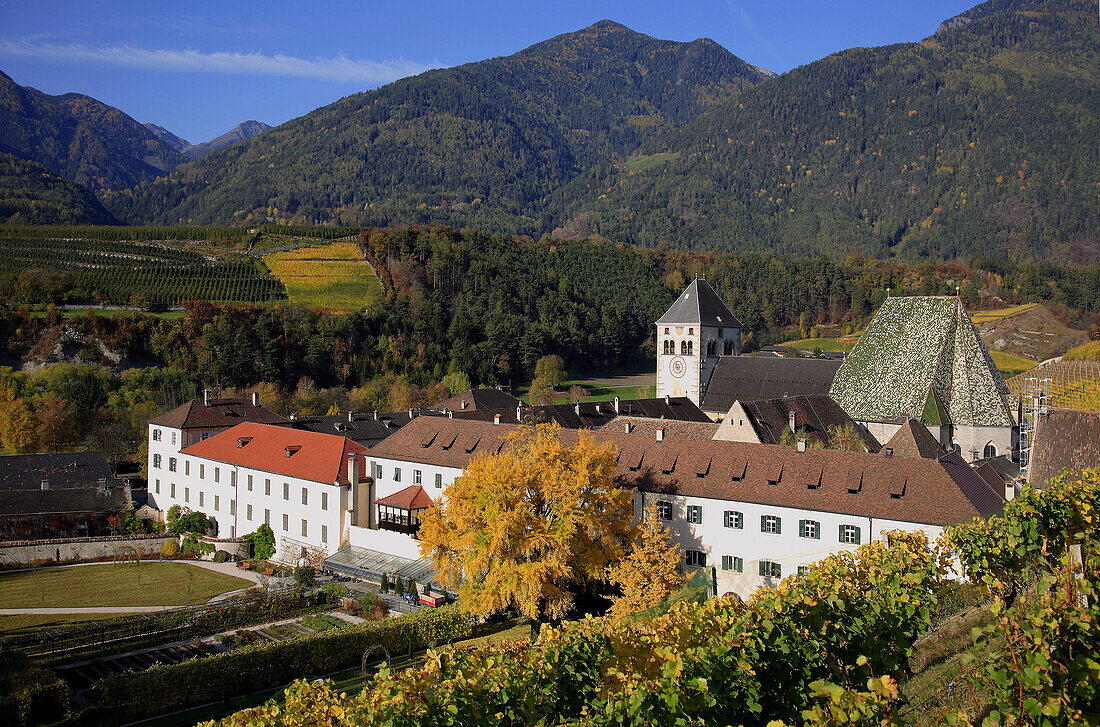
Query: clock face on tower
{"x": 677, "y": 367}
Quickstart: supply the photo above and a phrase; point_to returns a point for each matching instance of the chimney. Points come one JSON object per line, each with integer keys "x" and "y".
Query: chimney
{"x": 206, "y": 397}
{"x": 351, "y": 416}
{"x": 293, "y": 417}
{"x": 255, "y": 398}
{"x": 519, "y": 413}
{"x": 375, "y": 415}
{"x": 496, "y": 419}
{"x": 887, "y": 451}
{"x": 410, "y": 413}
{"x": 627, "y": 427}
{"x": 450, "y": 415}
{"x": 45, "y": 484}
{"x": 616, "y": 405}
{"x": 577, "y": 408}
{"x": 463, "y": 405}
{"x": 660, "y": 434}
{"x": 801, "y": 445}
{"x": 668, "y": 400}
{"x": 353, "y": 470}
{"x": 790, "y": 420}
{"x": 1010, "y": 490}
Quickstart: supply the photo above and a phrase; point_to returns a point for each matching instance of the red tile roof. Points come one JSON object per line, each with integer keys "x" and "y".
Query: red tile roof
{"x": 914, "y": 440}
{"x": 218, "y": 413}
{"x": 1065, "y": 439}
{"x": 412, "y": 497}
{"x": 282, "y": 451}
{"x": 937, "y": 492}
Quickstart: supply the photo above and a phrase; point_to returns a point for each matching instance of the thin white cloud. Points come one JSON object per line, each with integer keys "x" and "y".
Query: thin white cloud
{"x": 339, "y": 68}
{"x": 741, "y": 15}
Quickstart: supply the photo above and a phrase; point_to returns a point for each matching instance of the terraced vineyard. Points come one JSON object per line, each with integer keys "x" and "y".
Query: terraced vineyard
{"x": 115, "y": 271}
{"x": 1073, "y": 385}
{"x": 328, "y": 276}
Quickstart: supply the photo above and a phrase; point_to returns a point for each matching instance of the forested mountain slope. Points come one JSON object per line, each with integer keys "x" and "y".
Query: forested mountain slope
{"x": 80, "y": 138}
{"x": 487, "y": 143}
{"x": 980, "y": 139}
{"x": 30, "y": 194}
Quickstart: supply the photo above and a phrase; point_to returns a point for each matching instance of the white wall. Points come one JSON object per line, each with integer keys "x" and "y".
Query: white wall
{"x": 698, "y": 366}
{"x": 787, "y": 548}
{"x": 221, "y": 491}
{"x": 736, "y": 427}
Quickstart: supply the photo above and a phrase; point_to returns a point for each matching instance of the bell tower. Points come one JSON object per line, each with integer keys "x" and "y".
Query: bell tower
{"x": 691, "y": 336}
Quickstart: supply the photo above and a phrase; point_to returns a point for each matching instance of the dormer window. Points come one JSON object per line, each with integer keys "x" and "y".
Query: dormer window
{"x": 241, "y": 441}
{"x": 292, "y": 449}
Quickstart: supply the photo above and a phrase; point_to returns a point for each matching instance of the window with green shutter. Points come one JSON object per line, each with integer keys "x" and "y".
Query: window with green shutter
{"x": 770, "y": 524}
{"x": 770, "y": 569}
{"x": 809, "y": 529}
{"x": 733, "y": 563}
{"x": 850, "y": 534}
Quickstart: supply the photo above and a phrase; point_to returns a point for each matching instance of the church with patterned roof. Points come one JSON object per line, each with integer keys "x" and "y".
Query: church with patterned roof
{"x": 921, "y": 358}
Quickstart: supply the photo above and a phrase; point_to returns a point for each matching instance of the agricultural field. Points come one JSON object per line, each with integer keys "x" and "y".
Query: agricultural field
{"x": 112, "y": 584}
{"x": 1010, "y": 365}
{"x": 984, "y": 316}
{"x": 825, "y": 344}
{"x": 120, "y": 271}
{"x": 1073, "y": 384}
{"x": 330, "y": 276}
{"x": 642, "y": 163}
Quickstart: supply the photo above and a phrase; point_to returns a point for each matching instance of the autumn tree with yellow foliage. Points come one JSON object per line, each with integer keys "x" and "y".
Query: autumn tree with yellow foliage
{"x": 532, "y": 527}
{"x": 650, "y": 571}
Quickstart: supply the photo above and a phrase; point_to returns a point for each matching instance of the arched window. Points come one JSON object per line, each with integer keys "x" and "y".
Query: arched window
{"x": 727, "y": 348}
{"x": 691, "y": 346}
{"x": 990, "y": 451}
{"x": 683, "y": 348}
{"x": 712, "y": 348}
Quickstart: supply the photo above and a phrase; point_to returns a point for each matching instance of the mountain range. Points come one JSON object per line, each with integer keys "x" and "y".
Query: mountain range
{"x": 240, "y": 132}
{"x": 979, "y": 140}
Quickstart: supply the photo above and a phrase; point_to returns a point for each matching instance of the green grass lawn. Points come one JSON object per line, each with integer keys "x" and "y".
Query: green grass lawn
{"x": 28, "y": 623}
{"x": 642, "y": 163}
{"x": 825, "y": 344}
{"x": 110, "y": 584}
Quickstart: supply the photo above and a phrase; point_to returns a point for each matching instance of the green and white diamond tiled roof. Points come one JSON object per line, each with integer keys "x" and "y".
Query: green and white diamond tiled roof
{"x": 921, "y": 358}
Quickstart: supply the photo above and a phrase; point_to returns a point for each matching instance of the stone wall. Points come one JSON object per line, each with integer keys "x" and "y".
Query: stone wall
{"x": 23, "y": 553}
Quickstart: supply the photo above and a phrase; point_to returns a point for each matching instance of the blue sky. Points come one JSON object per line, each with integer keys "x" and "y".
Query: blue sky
{"x": 199, "y": 68}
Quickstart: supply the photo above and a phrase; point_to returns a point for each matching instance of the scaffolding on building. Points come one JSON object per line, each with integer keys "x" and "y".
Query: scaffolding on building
{"x": 1036, "y": 403}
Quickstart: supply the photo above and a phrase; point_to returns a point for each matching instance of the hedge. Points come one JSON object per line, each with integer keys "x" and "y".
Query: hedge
{"x": 165, "y": 688}
{"x": 29, "y": 694}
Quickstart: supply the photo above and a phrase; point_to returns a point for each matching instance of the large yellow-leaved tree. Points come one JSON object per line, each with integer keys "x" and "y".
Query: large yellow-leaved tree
{"x": 650, "y": 571}
{"x": 532, "y": 527}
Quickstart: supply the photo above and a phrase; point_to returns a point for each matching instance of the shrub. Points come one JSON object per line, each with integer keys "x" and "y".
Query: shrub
{"x": 221, "y": 556}
{"x": 263, "y": 542}
{"x": 192, "y": 547}
{"x": 164, "y": 688}
{"x": 29, "y": 694}
{"x": 334, "y": 591}
{"x": 305, "y": 575}
{"x": 171, "y": 549}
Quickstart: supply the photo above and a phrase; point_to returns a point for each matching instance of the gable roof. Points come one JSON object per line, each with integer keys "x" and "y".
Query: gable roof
{"x": 699, "y": 304}
{"x": 475, "y": 399}
{"x": 742, "y": 378}
{"x": 412, "y": 497}
{"x": 1065, "y": 439}
{"x": 216, "y": 413}
{"x": 362, "y": 428}
{"x": 914, "y": 440}
{"x": 937, "y": 492}
{"x": 816, "y": 414}
{"x": 919, "y": 353}
{"x": 592, "y": 414}
{"x": 68, "y": 500}
{"x": 61, "y": 471}
{"x": 282, "y": 451}
{"x": 647, "y": 427}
